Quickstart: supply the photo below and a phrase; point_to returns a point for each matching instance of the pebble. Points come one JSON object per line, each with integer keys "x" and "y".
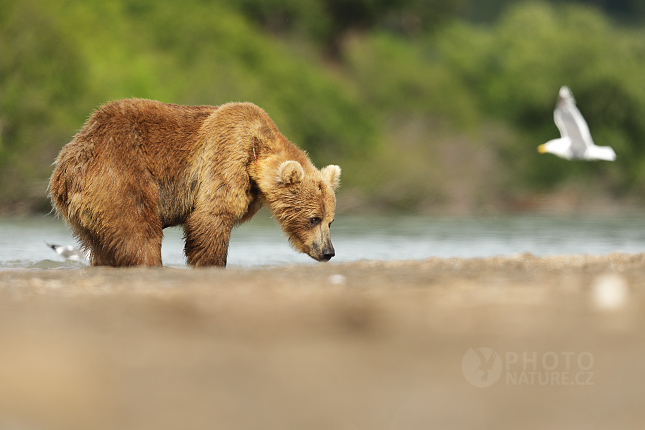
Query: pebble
{"x": 609, "y": 292}
{"x": 337, "y": 279}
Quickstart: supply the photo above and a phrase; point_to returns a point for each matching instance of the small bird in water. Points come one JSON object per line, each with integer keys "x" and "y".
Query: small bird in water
{"x": 576, "y": 142}
{"x": 67, "y": 251}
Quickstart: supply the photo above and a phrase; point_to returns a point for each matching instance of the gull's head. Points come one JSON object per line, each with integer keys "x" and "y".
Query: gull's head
{"x": 566, "y": 94}
{"x": 560, "y": 147}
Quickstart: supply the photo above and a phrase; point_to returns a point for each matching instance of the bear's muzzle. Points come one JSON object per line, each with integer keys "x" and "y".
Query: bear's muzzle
{"x": 321, "y": 248}
{"x": 328, "y": 253}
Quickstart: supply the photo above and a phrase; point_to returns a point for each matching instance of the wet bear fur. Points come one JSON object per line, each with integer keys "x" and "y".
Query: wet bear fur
{"x": 138, "y": 166}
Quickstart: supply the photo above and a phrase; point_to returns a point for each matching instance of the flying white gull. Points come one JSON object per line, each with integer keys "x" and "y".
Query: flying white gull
{"x": 67, "y": 251}
{"x": 576, "y": 142}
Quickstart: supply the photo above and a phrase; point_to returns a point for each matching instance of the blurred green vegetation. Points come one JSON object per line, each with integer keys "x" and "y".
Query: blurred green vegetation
{"x": 424, "y": 107}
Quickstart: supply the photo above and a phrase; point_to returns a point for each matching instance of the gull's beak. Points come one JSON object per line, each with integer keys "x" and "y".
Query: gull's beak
{"x": 542, "y": 149}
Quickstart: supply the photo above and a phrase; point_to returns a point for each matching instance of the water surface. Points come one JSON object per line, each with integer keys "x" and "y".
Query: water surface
{"x": 261, "y": 242}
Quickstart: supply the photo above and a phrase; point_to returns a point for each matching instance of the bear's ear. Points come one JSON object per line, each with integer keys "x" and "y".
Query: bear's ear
{"x": 331, "y": 174}
{"x": 290, "y": 172}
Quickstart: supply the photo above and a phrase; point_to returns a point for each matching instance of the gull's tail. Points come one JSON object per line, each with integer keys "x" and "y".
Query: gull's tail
{"x": 600, "y": 153}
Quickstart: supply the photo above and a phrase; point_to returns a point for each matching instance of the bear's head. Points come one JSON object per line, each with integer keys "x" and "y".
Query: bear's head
{"x": 302, "y": 199}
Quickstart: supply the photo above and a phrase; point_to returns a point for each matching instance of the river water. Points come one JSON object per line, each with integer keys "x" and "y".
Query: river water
{"x": 261, "y": 242}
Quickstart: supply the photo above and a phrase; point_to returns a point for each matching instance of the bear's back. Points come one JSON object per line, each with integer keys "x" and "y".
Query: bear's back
{"x": 145, "y": 130}
{"x": 147, "y": 120}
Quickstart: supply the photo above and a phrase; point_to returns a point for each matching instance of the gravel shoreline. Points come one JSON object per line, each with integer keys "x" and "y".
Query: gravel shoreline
{"x": 366, "y": 345}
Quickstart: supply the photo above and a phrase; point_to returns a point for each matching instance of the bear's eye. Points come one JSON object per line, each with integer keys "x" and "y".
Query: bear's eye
{"x": 314, "y": 221}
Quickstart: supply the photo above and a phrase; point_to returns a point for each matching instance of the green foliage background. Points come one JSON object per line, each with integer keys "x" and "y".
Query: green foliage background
{"x": 424, "y": 107}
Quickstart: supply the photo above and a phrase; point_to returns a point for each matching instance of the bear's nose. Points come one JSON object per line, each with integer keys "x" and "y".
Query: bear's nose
{"x": 328, "y": 254}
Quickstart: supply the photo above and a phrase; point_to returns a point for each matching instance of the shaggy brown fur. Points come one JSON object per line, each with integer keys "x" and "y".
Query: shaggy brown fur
{"x": 138, "y": 166}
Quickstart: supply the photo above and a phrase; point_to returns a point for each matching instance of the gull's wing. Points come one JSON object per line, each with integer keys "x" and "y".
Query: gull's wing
{"x": 571, "y": 123}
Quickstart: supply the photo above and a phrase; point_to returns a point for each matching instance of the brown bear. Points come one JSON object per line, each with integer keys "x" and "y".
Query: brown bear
{"x": 138, "y": 166}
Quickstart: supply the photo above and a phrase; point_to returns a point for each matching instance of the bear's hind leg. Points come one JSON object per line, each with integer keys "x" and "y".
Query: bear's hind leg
{"x": 92, "y": 246}
{"x": 134, "y": 249}
{"x": 99, "y": 256}
{"x": 130, "y": 230}
{"x": 140, "y": 248}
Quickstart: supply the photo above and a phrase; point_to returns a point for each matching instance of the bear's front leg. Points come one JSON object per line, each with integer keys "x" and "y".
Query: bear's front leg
{"x": 207, "y": 238}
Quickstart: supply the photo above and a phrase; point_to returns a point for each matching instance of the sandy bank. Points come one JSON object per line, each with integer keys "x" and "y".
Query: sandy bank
{"x": 368, "y": 345}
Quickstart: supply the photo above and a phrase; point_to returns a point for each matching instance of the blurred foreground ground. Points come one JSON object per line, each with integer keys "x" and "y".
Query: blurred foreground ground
{"x": 370, "y": 345}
